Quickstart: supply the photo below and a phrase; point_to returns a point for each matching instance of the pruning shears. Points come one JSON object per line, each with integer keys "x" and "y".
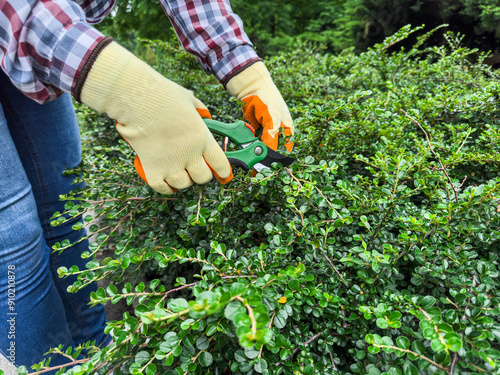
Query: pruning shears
{"x": 251, "y": 152}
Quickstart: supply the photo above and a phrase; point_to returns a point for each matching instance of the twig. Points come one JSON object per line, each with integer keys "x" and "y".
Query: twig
{"x": 47, "y": 369}
{"x": 477, "y": 368}
{"x": 307, "y": 343}
{"x": 474, "y": 284}
{"x": 199, "y": 204}
{"x": 455, "y": 356}
{"x": 333, "y": 362}
{"x": 329, "y": 203}
{"x": 268, "y": 327}
{"x": 454, "y": 304}
{"x": 434, "y": 153}
{"x": 463, "y": 182}
{"x": 381, "y": 222}
{"x": 331, "y": 264}
{"x": 310, "y": 340}
{"x": 453, "y": 362}
{"x": 127, "y": 199}
{"x": 250, "y": 314}
{"x": 412, "y": 352}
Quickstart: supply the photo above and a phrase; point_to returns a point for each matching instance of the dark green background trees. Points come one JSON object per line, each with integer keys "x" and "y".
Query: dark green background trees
{"x": 277, "y": 25}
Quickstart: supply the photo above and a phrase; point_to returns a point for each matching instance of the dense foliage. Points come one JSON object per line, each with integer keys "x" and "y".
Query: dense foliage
{"x": 376, "y": 252}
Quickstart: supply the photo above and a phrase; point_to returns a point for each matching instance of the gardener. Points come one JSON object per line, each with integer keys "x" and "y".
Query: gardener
{"x": 47, "y": 51}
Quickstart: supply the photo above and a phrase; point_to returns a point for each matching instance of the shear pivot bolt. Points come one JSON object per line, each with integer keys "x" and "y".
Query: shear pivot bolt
{"x": 258, "y": 150}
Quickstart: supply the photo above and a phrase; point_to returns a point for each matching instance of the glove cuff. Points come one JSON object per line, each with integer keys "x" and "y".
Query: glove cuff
{"x": 106, "y": 77}
{"x": 244, "y": 83}
{"x": 77, "y": 92}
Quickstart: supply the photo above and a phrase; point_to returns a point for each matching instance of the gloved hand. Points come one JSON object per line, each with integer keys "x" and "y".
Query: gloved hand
{"x": 264, "y": 105}
{"x": 158, "y": 118}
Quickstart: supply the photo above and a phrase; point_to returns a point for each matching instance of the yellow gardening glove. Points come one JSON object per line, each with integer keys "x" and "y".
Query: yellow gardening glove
{"x": 264, "y": 105}
{"x": 158, "y": 118}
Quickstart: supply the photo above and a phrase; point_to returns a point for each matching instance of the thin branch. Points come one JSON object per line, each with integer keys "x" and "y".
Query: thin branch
{"x": 250, "y": 314}
{"x": 331, "y": 264}
{"x": 453, "y": 363}
{"x": 412, "y": 352}
{"x": 47, "y": 369}
{"x": 268, "y": 327}
{"x": 463, "y": 182}
{"x": 310, "y": 340}
{"x": 434, "y": 153}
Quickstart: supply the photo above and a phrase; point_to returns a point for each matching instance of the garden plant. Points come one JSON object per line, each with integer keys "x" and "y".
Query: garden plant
{"x": 376, "y": 252}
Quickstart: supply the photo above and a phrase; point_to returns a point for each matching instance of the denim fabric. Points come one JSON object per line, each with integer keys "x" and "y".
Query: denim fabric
{"x": 38, "y": 143}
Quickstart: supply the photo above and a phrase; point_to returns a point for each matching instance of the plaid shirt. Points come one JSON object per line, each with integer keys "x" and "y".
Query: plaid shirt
{"x": 44, "y": 44}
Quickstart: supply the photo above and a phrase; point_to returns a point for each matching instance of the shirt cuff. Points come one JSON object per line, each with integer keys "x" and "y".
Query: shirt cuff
{"x": 234, "y": 62}
{"x": 71, "y": 53}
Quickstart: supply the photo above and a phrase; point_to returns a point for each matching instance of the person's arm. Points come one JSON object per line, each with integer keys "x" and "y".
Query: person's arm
{"x": 47, "y": 48}
{"x": 44, "y": 45}
{"x": 214, "y": 33}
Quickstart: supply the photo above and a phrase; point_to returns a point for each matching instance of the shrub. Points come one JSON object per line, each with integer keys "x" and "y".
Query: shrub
{"x": 376, "y": 252}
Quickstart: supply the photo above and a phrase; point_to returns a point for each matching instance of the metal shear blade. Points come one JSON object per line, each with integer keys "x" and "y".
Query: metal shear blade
{"x": 273, "y": 157}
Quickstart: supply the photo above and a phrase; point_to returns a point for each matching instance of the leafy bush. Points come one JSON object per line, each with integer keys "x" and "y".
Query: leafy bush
{"x": 376, "y": 252}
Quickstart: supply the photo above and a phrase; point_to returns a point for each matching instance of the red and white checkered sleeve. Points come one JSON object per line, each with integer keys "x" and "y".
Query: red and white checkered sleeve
{"x": 44, "y": 45}
{"x": 210, "y": 30}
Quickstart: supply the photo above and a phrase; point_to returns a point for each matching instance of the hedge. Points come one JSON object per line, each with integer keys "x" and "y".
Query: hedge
{"x": 376, "y": 252}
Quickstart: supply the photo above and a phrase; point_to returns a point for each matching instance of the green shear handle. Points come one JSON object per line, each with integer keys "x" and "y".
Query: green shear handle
{"x": 252, "y": 150}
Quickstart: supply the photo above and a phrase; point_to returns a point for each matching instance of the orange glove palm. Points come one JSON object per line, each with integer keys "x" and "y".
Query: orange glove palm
{"x": 264, "y": 105}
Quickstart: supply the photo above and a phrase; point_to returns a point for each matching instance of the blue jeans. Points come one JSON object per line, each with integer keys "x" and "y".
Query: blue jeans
{"x": 37, "y": 143}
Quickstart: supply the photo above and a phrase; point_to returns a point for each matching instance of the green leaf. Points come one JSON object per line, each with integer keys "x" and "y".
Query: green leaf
{"x": 395, "y": 315}
{"x": 135, "y": 368}
{"x": 309, "y": 370}
{"x": 177, "y": 350}
{"x": 236, "y": 289}
{"x": 178, "y": 305}
{"x": 202, "y": 343}
{"x": 361, "y": 354}
{"x": 186, "y": 324}
{"x": 382, "y": 323}
{"x": 337, "y": 204}
{"x": 142, "y": 357}
{"x": 169, "y": 360}
{"x": 418, "y": 347}
{"x": 409, "y": 369}
{"x": 437, "y": 345}
{"x": 232, "y": 309}
{"x": 454, "y": 343}
{"x": 403, "y": 342}
{"x": 428, "y": 302}
{"x": 171, "y": 340}
{"x": 260, "y": 365}
{"x": 280, "y": 319}
{"x": 294, "y": 284}
{"x": 206, "y": 359}
{"x": 239, "y": 356}
{"x": 151, "y": 369}
{"x": 211, "y": 330}
{"x": 241, "y": 319}
{"x": 251, "y": 353}
{"x": 373, "y": 349}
